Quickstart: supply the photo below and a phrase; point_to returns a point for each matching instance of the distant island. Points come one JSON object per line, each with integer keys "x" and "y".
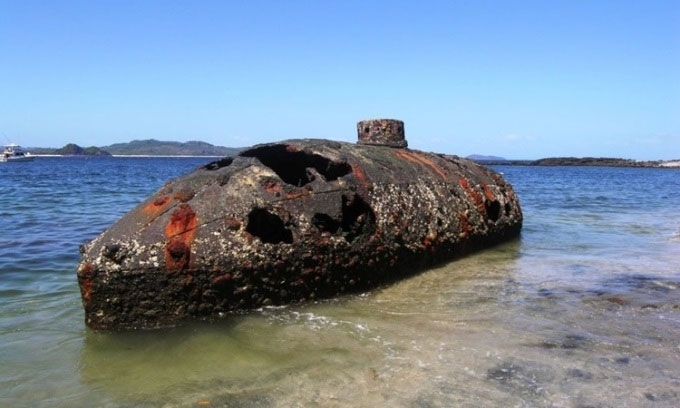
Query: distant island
{"x": 149, "y": 147}
{"x": 152, "y": 147}
{"x": 580, "y": 161}
{"x": 70, "y": 149}
{"x": 481, "y": 157}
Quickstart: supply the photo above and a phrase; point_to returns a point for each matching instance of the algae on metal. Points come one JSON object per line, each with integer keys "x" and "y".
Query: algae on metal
{"x": 289, "y": 222}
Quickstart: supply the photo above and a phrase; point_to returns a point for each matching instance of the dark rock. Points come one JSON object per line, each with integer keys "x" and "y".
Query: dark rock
{"x": 525, "y": 380}
{"x": 617, "y": 300}
{"x": 288, "y": 221}
{"x": 570, "y": 342}
{"x": 577, "y": 373}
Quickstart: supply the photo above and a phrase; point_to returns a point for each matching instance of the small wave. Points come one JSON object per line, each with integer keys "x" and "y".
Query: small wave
{"x": 318, "y": 322}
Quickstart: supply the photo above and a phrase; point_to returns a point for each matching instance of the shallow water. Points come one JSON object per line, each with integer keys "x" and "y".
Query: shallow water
{"x": 582, "y": 310}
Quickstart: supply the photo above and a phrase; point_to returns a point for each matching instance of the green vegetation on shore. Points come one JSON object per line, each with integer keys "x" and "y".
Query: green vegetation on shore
{"x": 72, "y": 149}
{"x": 152, "y": 147}
{"x": 578, "y": 161}
{"x": 148, "y": 147}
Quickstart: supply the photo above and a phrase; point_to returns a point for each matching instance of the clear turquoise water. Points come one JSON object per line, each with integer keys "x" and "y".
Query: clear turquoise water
{"x": 582, "y": 310}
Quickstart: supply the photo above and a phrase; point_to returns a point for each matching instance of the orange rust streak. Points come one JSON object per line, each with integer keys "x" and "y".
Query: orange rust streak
{"x": 476, "y": 197}
{"x": 221, "y": 278}
{"x": 406, "y": 156}
{"x": 272, "y": 187}
{"x": 183, "y": 220}
{"x": 86, "y": 282}
{"x": 158, "y": 205}
{"x": 180, "y": 232}
{"x": 415, "y": 158}
{"x": 488, "y": 193}
{"x": 464, "y": 225}
{"x": 430, "y": 164}
{"x": 296, "y": 194}
{"x": 359, "y": 174}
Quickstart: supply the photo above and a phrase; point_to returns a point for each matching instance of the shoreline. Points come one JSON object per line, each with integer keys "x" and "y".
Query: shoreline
{"x": 123, "y": 155}
{"x": 671, "y": 164}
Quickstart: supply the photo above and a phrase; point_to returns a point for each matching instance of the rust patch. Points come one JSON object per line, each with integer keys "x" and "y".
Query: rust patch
{"x": 476, "y": 197}
{"x": 86, "y": 282}
{"x": 272, "y": 187}
{"x": 183, "y": 220}
{"x": 431, "y": 165}
{"x": 296, "y": 194}
{"x": 158, "y": 205}
{"x": 427, "y": 243}
{"x": 221, "y": 279}
{"x": 416, "y": 158}
{"x": 177, "y": 254}
{"x": 360, "y": 175}
{"x": 488, "y": 193}
{"x": 403, "y": 155}
{"x": 464, "y": 225}
{"x": 180, "y": 232}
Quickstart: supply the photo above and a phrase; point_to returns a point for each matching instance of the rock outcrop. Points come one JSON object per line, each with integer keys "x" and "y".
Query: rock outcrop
{"x": 288, "y": 222}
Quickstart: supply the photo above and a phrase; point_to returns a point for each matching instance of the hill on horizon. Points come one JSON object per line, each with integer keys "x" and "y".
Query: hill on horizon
{"x": 146, "y": 147}
{"x": 153, "y": 147}
{"x": 480, "y": 157}
{"x": 72, "y": 149}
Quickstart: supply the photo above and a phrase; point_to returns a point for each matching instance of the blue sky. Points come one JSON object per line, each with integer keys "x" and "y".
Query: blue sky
{"x": 516, "y": 79}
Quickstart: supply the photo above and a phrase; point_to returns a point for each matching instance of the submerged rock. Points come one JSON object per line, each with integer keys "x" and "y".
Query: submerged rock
{"x": 291, "y": 221}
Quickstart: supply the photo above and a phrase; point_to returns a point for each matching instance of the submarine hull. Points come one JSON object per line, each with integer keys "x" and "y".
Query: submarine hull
{"x": 289, "y": 222}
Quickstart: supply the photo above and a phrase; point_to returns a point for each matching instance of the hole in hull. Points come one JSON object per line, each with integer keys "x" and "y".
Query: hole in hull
{"x": 493, "y": 209}
{"x": 325, "y": 223}
{"x": 268, "y": 227}
{"x": 291, "y": 166}
{"x": 358, "y": 218}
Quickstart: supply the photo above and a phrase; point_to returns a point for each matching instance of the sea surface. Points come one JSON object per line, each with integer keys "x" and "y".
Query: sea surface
{"x": 583, "y": 310}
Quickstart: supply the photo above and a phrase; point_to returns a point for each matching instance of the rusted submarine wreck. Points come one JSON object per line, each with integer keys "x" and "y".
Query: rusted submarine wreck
{"x": 288, "y": 222}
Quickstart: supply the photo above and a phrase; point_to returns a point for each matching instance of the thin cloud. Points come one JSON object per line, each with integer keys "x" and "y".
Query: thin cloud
{"x": 514, "y": 137}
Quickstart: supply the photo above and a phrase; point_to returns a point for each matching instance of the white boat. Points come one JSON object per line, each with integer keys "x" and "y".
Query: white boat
{"x": 14, "y": 153}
